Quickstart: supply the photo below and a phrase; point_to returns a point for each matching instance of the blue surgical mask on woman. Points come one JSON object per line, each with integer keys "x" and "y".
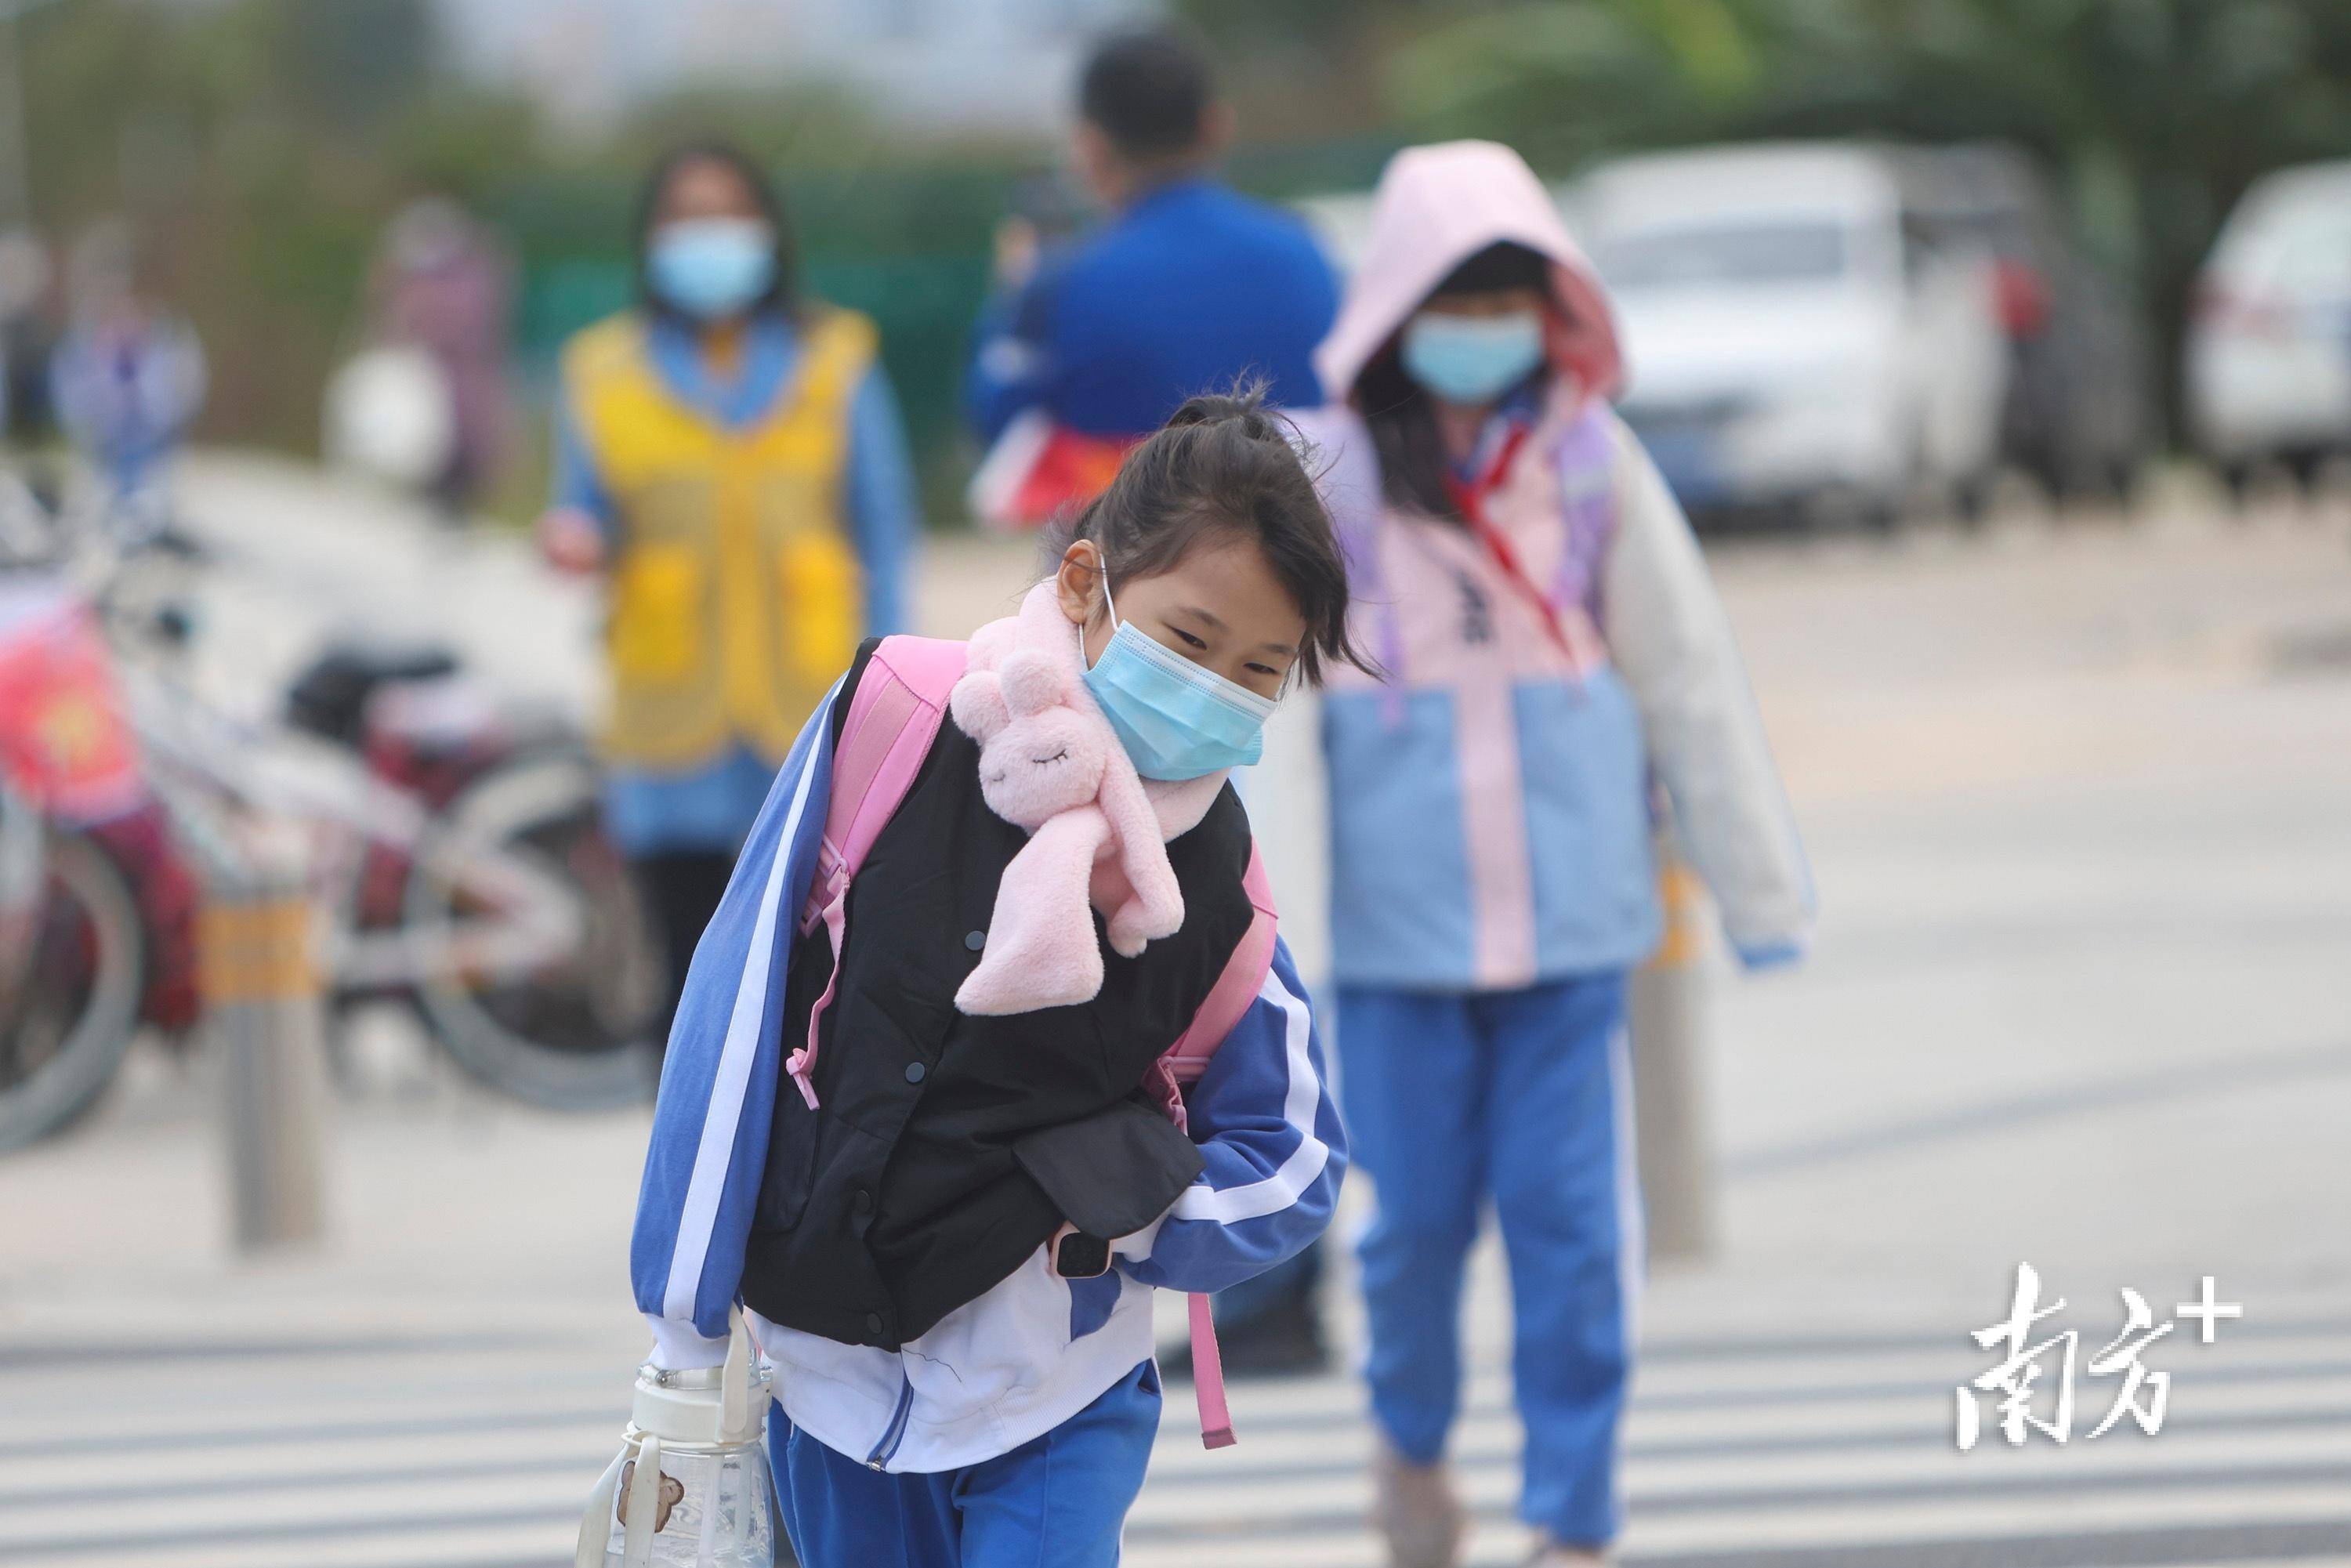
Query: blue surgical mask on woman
{"x": 1472, "y": 358}
{"x": 1178, "y": 719}
{"x": 712, "y": 268}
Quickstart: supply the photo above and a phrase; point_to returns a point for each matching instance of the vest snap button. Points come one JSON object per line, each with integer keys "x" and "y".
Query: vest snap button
{"x": 874, "y": 1324}
{"x": 914, "y": 1072}
{"x": 974, "y": 941}
{"x": 862, "y": 1202}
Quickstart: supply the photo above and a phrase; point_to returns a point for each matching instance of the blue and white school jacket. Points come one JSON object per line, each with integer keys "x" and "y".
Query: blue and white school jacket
{"x": 1036, "y": 1349}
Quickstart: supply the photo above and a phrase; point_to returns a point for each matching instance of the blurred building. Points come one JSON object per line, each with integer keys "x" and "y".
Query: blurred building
{"x": 977, "y": 65}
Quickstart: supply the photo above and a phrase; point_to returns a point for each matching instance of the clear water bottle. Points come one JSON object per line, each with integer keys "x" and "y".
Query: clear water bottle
{"x": 690, "y": 1487}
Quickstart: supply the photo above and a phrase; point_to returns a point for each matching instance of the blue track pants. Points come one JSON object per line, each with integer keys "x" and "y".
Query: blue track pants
{"x": 1525, "y": 1098}
{"x": 1056, "y": 1502}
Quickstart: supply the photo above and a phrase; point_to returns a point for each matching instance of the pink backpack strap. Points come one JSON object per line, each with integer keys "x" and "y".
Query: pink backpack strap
{"x": 1182, "y": 1063}
{"x": 893, "y": 717}
{"x": 1180, "y": 1067}
{"x": 1208, "y": 1374}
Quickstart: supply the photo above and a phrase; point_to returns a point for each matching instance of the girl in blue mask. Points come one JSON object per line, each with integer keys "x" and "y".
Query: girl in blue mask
{"x": 730, "y": 463}
{"x": 946, "y": 1225}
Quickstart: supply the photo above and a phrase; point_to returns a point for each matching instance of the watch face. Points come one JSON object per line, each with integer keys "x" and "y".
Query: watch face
{"x": 1081, "y": 1256}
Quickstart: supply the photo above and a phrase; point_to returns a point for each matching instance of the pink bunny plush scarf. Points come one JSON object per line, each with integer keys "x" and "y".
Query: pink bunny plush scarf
{"x": 1050, "y": 763}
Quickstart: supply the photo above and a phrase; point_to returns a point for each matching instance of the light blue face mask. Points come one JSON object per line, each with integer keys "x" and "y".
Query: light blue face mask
{"x": 1177, "y": 720}
{"x": 711, "y": 269}
{"x": 1472, "y": 358}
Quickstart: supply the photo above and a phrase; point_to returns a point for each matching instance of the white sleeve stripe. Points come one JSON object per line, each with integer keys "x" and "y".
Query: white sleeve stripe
{"x": 703, "y": 1191}
{"x": 1278, "y": 1191}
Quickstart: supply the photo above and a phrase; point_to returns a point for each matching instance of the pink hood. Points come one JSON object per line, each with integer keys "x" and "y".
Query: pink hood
{"x": 1437, "y": 206}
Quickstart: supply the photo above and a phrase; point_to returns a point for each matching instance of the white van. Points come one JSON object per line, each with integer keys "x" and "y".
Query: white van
{"x": 2269, "y": 348}
{"x": 1796, "y": 330}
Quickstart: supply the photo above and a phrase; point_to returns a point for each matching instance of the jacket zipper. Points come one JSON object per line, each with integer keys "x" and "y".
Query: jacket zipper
{"x": 896, "y": 1432}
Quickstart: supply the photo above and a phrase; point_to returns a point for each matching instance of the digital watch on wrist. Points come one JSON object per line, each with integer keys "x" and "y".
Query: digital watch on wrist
{"x": 1078, "y": 1255}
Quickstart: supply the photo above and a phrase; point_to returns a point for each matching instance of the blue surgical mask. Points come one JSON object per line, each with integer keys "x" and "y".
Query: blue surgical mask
{"x": 712, "y": 268}
{"x": 1177, "y": 720}
{"x": 1472, "y": 358}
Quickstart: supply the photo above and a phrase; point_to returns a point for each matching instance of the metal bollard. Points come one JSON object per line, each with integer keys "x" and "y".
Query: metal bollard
{"x": 261, "y": 988}
{"x": 1673, "y": 1130}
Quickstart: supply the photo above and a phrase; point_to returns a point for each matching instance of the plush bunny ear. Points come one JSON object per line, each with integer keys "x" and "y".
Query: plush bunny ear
{"x": 1031, "y": 683}
{"x": 991, "y": 643}
{"x": 1044, "y": 624}
{"x": 978, "y": 705}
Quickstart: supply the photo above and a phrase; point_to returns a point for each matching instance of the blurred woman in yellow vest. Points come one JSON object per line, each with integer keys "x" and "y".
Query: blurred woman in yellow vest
{"x": 731, "y": 461}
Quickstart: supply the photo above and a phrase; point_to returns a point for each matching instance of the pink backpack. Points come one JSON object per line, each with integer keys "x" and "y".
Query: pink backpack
{"x": 893, "y": 717}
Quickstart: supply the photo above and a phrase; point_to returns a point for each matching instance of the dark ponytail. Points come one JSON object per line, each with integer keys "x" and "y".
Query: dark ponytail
{"x": 1225, "y": 466}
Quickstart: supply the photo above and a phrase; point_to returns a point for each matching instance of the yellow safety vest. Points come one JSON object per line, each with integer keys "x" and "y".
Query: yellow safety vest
{"x": 736, "y": 598}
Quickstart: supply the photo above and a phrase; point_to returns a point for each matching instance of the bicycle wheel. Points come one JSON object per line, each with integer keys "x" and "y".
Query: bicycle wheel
{"x": 573, "y": 1033}
{"x": 72, "y": 1014}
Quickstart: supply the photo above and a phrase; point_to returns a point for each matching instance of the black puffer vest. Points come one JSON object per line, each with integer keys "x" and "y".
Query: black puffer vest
{"x": 946, "y": 1148}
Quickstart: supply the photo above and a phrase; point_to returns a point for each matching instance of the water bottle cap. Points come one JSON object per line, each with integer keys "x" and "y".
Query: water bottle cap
{"x": 688, "y": 1406}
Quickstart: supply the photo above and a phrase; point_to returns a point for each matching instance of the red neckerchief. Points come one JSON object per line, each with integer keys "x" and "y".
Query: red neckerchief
{"x": 1471, "y": 498}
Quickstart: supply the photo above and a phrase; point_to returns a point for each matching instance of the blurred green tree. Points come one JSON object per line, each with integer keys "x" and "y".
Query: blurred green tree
{"x": 355, "y": 62}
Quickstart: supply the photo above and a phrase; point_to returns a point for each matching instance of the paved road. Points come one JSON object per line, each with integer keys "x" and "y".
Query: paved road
{"x": 2076, "y": 802}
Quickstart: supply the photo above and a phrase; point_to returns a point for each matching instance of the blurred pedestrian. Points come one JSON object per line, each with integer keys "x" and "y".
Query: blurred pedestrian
{"x": 1089, "y": 346}
{"x": 128, "y": 378}
{"x": 1187, "y": 287}
{"x": 442, "y": 285}
{"x": 1551, "y": 644}
{"x": 28, "y": 332}
{"x": 730, "y": 459}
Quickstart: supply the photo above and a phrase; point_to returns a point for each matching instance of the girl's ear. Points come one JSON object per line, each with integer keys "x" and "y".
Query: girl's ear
{"x": 1031, "y": 683}
{"x": 1077, "y": 581}
{"x": 978, "y": 705}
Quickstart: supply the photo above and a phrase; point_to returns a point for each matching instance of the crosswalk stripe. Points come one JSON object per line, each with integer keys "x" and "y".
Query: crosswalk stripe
{"x": 1798, "y": 1450}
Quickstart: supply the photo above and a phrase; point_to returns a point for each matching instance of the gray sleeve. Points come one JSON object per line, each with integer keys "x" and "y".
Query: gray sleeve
{"x": 1672, "y": 643}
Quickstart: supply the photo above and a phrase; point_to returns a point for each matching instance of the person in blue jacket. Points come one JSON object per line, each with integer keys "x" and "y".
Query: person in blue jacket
{"x": 1188, "y": 287}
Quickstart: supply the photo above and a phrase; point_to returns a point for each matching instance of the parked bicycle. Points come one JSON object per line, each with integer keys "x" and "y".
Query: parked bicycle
{"x": 456, "y": 843}
{"x": 97, "y": 914}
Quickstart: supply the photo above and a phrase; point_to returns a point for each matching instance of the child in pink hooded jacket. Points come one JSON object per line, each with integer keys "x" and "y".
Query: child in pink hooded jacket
{"x": 1553, "y": 663}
